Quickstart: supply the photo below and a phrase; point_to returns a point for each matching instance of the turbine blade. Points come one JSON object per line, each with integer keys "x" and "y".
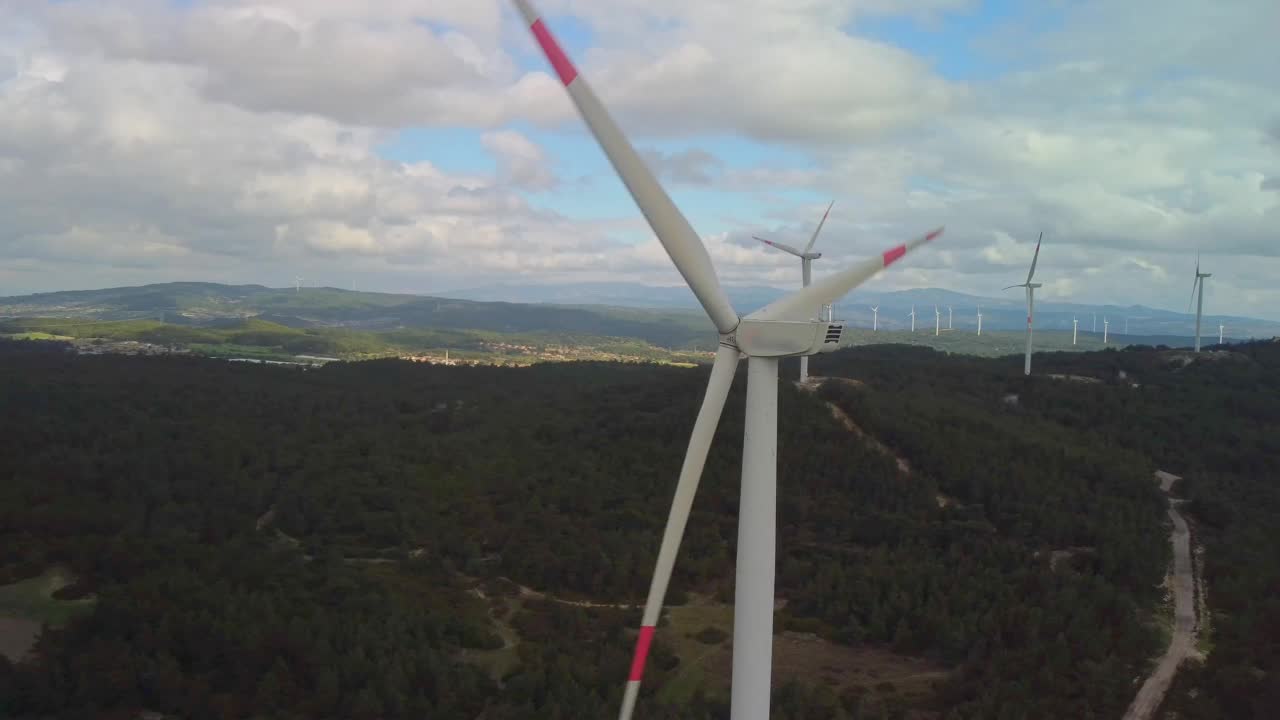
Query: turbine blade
{"x": 1014, "y": 286}
{"x": 780, "y": 246}
{"x": 1035, "y": 258}
{"x": 1193, "y": 291}
{"x": 704, "y": 429}
{"x": 672, "y": 228}
{"x": 799, "y": 305}
{"x": 821, "y": 222}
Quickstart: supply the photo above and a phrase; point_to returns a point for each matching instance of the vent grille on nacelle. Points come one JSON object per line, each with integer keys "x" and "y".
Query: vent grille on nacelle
{"x": 833, "y": 334}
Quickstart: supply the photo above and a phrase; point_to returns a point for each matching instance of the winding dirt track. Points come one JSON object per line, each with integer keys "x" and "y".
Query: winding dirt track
{"x": 1183, "y": 641}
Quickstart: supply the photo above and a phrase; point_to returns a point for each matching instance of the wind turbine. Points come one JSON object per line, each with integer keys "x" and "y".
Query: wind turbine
{"x": 784, "y": 328}
{"x": 875, "y": 318}
{"x": 1199, "y": 281}
{"x": 1031, "y": 302}
{"x": 807, "y": 256}
{"x": 297, "y": 283}
{"x": 937, "y": 321}
{"x": 1105, "y": 325}
{"x": 979, "y": 319}
{"x": 950, "y": 316}
{"x": 1095, "y": 323}
{"x": 1075, "y": 327}
{"x": 913, "y": 318}
{"x": 1220, "y": 328}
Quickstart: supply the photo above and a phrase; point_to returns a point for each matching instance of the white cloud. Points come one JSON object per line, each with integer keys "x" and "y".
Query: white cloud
{"x": 521, "y": 162}
{"x": 141, "y": 140}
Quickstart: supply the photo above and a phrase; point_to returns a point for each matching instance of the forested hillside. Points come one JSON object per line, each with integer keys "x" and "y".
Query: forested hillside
{"x": 349, "y": 541}
{"x": 201, "y": 305}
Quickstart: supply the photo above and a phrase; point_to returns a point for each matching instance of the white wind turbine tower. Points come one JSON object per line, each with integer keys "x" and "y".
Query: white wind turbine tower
{"x": 979, "y": 319}
{"x": 950, "y": 316}
{"x": 297, "y": 283}
{"x": 1199, "y": 281}
{"x": 1031, "y": 302}
{"x": 875, "y": 318}
{"x": 1220, "y": 328}
{"x": 1075, "y": 327}
{"x": 913, "y": 318}
{"x": 1105, "y": 325}
{"x": 1095, "y": 323}
{"x": 785, "y": 328}
{"x": 937, "y": 321}
{"x": 807, "y": 256}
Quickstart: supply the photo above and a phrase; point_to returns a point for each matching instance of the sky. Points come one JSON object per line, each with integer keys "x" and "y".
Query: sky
{"x": 424, "y": 145}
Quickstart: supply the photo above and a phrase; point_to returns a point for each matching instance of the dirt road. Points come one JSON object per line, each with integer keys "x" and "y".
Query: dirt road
{"x": 1183, "y": 641}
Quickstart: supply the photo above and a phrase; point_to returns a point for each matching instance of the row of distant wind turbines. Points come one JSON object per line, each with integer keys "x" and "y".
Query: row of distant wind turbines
{"x": 1075, "y": 322}
{"x": 807, "y": 256}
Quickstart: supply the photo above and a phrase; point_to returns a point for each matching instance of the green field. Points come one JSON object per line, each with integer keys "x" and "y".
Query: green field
{"x": 262, "y": 339}
{"x": 33, "y": 599}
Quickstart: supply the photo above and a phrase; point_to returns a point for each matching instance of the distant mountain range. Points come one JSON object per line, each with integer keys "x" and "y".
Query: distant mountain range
{"x": 212, "y": 305}
{"x": 998, "y": 313}
{"x": 664, "y": 316}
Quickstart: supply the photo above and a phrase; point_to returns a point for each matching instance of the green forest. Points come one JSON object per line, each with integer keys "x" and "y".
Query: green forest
{"x": 386, "y": 539}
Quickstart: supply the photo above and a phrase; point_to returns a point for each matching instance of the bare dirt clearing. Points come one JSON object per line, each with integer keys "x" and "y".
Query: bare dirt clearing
{"x": 17, "y": 636}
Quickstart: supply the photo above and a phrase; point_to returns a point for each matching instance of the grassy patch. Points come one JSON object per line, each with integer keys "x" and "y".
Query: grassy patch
{"x": 37, "y": 336}
{"x": 799, "y": 656}
{"x": 700, "y": 662}
{"x": 33, "y": 599}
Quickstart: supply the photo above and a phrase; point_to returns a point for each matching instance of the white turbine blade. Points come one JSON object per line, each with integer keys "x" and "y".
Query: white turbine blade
{"x": 672, "y": 228}
{"x": 821, "y": 222}
{"x": 1035, "y": 258}
{"x": 780, "y": 246}
{"x": 799, "y": 305}
{"x": 1014, "y": 286}
{"x": 1193, "y": 289}
{"x": 704, "y": 429}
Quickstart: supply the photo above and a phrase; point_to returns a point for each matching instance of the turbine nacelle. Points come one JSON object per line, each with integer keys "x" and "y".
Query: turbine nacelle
{"x": 785, "y": 338}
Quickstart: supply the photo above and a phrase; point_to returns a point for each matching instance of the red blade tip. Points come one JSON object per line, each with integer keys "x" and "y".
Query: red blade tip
{"x": 563, "y": 66}
{"x": 642, "y": 652}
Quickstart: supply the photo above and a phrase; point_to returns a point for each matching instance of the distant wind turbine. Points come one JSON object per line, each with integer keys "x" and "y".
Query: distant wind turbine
{"x": 1075, "y": 326}
{"x": 807, "y": 256}
{"x": 297, "y": 283}
{"x": 1199, "y": 281}
{"x": 1095, "y": 323}
{"x": 1220, "y": 328}
{"x": 950, "y": 316}
{"x": 979, "y": 319}
{"x": 913, "y": 318}
{"x": 937, "y": 321}
{"x": 1105, "y": 326}
{"x": 1031, "y": 302}
{"x": 875, "y": 318}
